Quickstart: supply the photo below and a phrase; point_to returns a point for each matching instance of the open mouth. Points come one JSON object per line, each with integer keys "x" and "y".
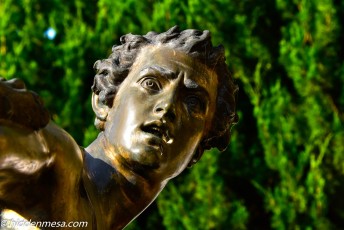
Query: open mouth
{"x": 158, "y": 131}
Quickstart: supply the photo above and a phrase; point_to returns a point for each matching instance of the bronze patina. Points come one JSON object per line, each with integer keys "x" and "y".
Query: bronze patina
{"x": 160, "y": 100}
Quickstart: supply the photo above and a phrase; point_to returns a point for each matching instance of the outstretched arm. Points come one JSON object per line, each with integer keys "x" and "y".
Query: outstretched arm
{"x": 40, "y": 164}
{"x": 20, "y": 106}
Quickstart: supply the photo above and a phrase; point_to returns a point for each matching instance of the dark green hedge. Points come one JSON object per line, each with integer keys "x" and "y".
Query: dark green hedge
{"x": 284, "y": 168}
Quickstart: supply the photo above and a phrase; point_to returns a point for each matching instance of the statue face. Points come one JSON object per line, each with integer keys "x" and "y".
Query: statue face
{"x": 161, "y": 112}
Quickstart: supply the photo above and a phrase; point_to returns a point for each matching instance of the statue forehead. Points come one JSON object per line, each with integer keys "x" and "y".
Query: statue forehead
{"x": 167, "y": 56}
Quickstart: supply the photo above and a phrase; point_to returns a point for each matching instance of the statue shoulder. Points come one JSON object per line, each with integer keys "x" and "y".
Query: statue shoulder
{"x": 26, "y": 131}
{"x": 61, "y": 142}
{"x": 22, "y": 149}
{"x": 24, "y": 146}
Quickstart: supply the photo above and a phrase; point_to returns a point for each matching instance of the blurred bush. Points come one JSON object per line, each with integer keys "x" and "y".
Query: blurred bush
{"x": 284, "y": 168}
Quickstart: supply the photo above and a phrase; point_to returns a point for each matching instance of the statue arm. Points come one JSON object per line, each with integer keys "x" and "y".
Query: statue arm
{"x": 20, "y": 106}
{"x": 36, "y": 156}
{"x": 23, "y": 148}
{"x": 27, "y": 133}
{"x": 22, "y": 120}
{"x": 24, "y": 156}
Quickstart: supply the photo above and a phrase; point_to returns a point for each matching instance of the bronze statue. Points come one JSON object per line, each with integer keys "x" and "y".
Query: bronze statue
{"x": 160, "y": 100}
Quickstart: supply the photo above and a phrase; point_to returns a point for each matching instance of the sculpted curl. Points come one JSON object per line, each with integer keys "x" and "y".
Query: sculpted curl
{"x": 111, "y": 72}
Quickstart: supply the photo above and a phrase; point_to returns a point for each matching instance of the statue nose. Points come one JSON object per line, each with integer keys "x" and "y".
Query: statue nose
{"x": 166, "y": 109}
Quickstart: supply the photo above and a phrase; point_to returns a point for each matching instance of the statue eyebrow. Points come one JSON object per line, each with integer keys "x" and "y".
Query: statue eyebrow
{"x": 200, "y": 91}
{"x": 170, "y": 75}
{"x": 193, "y": 87}
{"x": 189, "y": 84}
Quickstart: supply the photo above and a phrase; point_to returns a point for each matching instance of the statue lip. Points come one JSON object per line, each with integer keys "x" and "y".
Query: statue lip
{"x": 158, "y": 129}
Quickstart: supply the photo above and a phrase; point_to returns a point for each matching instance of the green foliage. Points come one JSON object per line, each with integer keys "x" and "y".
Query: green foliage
{"x": 199, "y": 197}
{"x": 284, "y": 167}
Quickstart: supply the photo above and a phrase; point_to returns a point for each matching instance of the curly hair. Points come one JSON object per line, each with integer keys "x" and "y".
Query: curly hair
{"x": 111, "y": 72}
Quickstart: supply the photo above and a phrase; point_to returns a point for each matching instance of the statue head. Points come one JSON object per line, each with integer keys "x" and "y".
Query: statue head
{"x": 187, "y": 57}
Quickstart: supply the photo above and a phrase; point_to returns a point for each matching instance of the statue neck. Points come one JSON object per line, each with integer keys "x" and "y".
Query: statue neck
{"x": 117, "y": 194}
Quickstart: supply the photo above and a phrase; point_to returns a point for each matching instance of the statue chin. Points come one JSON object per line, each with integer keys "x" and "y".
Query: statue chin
{"x": 147, "y": 158}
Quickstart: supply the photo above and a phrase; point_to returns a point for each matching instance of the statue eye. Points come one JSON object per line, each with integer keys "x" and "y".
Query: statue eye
{"x": 151, "y": 84}
{"x": 194, "y": 104}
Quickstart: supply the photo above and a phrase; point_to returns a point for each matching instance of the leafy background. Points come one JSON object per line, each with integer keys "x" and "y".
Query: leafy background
{"x": 284, "y": 168}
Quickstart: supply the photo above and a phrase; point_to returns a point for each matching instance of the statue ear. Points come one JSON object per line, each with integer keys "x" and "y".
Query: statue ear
{"x": 100, "y": 109}
{"x": 197, "y": 155}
